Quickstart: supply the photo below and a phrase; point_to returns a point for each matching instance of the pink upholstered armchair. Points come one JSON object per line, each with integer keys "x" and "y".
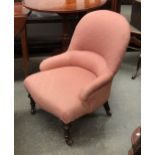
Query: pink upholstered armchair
{"x": 78, "y": 81}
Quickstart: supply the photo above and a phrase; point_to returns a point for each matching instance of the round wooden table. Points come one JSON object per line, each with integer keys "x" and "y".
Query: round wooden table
{"x": 64, "y": 8}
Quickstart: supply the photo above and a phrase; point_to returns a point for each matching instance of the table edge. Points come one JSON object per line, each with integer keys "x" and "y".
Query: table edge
{"x": 64, "y": 12}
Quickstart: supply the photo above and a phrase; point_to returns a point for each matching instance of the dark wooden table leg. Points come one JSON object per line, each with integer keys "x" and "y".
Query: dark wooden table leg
{"x": 116, "y": 5}
{"x": 65, "y": 41}
{"x": 66, "y": 21}
{"x": 25, "y": 51}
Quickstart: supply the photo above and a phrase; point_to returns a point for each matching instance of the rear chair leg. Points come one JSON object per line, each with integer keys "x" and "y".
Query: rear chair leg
{"x": 32, "y": 103}
{"x": 107, "y": 108}
{"x": 67, "y": 135}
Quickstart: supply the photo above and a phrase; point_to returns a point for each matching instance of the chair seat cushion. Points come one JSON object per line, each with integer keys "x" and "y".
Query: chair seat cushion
{"x": 57, "y": 91}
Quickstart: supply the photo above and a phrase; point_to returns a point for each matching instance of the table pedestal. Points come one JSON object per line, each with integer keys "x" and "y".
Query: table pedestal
{"x": 66, "y": 35}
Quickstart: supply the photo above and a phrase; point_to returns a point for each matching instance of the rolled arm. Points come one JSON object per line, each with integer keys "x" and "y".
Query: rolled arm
{"x": 98, "y": 83}
{"x": 55, "y": 62}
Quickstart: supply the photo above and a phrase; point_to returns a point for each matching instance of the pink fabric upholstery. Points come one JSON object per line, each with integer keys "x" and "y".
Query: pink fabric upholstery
{"x": 57, "y": 91}
{"x": 54, "y": 62}
{"x": 86, "y": 59}
{"x": 105, "y": 33}
{"x": 78, "y": 81}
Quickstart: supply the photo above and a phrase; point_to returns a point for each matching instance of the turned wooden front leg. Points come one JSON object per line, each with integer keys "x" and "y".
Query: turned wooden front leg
{"x": 107, "y": 108}
{"x": 32, "y": 103}
{"x": 67, "y": 135}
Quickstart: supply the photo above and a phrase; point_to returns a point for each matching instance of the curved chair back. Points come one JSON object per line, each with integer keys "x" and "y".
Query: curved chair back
{"x": 104, "y": 32}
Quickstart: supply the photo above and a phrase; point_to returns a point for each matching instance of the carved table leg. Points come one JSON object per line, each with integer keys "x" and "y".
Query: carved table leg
{"x": 67, "y": 135}
{"x": 107, "y": 109}
{"x": 32, "y": 103}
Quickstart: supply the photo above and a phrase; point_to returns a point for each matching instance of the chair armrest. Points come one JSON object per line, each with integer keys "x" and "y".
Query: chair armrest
{"x": 96, "y": 85}
{"x": 55, "y": 62}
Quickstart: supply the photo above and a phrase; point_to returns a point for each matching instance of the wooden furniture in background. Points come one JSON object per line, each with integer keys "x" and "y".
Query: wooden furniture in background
{"x": 113, "y": 5}
{"x": 136, "y": 14}
{"x": 64, "y": 8}
{"x": 116, "y": 5}
{"x": 136, "y": 142}
{"x": 126, "y": 2}
{"x": 38, "y": 44}
{"x": 136, "y": 30}
{"x": 20, "y": 16}
{"x": 136, "y": 41}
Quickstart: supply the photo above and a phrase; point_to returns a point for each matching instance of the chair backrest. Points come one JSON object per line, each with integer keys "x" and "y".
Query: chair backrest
{"x": 104, "y": 32}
